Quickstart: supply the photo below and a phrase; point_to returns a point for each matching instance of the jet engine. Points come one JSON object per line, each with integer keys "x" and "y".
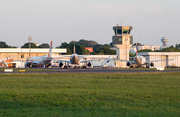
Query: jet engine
{"x": 151, "y": 64}
{"x": 128, "y": 64}
{"x": 89, "y": 64}
{"x": 28, "y": 64}
{"x": 60, "y": 64}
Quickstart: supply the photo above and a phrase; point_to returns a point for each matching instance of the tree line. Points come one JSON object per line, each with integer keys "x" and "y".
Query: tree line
{"x": 168, "y": 49}
{"x": 26, "y": 45}
{"x": 98, "y": 49}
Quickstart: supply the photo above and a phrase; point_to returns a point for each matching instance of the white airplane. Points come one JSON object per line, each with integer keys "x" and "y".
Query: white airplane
{"x": 141, "y": 60}
{"x": 42, "y": 60}
{"x": 79, "y": 60}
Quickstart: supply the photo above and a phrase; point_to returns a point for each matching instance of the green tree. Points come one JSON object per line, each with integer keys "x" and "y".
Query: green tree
{"x": 26, "y": 45}
{"x": 4, "y": 45}
{"x": 44, "y": 45}
{"x": 145, "y": 50}
{"x": 138, "y": 44}
{"x": 105, "y": 50}
{"x": 87, "y": 43}
{"x": 80, "y": 49}
{"x": 64, "y": 45}
{"x": 81, "y": 44}
{"x": 169, "y": 49}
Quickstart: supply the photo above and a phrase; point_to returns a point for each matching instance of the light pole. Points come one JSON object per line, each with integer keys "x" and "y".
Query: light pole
{"x": 29, "y": 38}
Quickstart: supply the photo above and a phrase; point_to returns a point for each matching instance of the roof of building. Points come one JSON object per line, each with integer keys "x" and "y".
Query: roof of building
{"x": 159, "y": 53}
{"x": 33, "y": 50}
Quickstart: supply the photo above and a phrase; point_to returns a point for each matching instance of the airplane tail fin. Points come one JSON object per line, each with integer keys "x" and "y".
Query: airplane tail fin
{"x": 50, "y": 48}
{"x": 136, "y": 50}
{"x": 74, "y": 48}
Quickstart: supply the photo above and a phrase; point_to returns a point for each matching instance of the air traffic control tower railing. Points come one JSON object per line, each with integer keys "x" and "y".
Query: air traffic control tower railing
{"x": 122, "y": 41}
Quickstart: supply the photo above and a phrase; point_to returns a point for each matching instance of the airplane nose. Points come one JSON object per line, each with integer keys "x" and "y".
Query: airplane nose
{"x": 136, "y": 58}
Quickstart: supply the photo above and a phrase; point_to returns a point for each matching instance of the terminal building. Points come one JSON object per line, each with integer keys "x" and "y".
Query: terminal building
{"x": 174, "y": 58}
{"x": 23, "y": 54}
{"x": 143, "y": 47}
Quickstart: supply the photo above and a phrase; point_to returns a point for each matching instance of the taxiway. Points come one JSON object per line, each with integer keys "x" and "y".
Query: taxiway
{"x": 90, "y": 70}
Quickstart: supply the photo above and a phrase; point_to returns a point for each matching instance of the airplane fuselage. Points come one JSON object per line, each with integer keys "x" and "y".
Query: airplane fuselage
{"x": 40, "y": 60}
{"x": 74, "y": 59}
{"x": 139, "y": 60}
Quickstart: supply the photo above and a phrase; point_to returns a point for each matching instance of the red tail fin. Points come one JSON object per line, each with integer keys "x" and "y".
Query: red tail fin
{"x": 136, "y": 50}
{"x": 74, "y": 47}
{"x": 50, "y": 48}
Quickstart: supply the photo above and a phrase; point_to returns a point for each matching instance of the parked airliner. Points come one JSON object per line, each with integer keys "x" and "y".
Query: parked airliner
{"x": 42, "y": 60}
{"x": 80, "y": 60}
{"x": 141, "y": 60}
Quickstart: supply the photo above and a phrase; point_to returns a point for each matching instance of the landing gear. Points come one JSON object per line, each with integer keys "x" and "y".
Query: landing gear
{"x": 46, "y": 66}
{"x": 65, "y": 66}
{"x": 34, "y": 65}
{"x": 84, "y": 67}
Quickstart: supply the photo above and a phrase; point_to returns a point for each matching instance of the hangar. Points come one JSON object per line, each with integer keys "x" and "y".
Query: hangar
{"x": 20, "y": 54}
{"x": 150, "y": 56}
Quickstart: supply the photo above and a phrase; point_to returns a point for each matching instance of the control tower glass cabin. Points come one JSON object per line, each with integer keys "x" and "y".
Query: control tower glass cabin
{"x": 122, "y": 34}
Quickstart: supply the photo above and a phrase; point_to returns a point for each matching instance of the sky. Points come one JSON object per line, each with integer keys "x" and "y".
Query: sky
{"x": 66, "y": 20}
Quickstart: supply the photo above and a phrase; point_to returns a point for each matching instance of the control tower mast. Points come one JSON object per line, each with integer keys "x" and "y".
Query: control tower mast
{"x": 122, "y": 41}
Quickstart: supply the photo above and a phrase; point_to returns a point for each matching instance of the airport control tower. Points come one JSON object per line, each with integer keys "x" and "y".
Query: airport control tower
{"x": 122, "y": 41}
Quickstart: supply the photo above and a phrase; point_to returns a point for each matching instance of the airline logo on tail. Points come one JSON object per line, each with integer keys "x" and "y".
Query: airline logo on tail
{"x": 50, "y": 48}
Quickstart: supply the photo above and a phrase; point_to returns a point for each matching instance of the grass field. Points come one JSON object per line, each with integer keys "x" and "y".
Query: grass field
{"x": 90, "y": 94}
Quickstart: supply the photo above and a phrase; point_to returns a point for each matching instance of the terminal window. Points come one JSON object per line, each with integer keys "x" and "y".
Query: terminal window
{"x": 22, "y": 55}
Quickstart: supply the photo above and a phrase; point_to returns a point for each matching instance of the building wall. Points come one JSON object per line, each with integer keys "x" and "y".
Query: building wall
{"x": 150, "y": 56}
{"x": 149, "y": 47}
{"x": 23, "y": 54}
{"x": 155, "y": 57}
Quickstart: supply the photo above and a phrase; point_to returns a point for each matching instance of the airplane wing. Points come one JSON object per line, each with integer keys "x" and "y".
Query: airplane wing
{"x": 68, "y": 61}
{"x": 61, "y": 56}
{"x": 100, "y": 57}
{"x": 105, "y": 59}
{"x": 126, "y": 61}
{"x": 159, "y": 60}
{"x": 96, "y": 56}
{"x": 35, "y": 62}
{"x": 58, "y": 58}
{"x": 81, "y": 61}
